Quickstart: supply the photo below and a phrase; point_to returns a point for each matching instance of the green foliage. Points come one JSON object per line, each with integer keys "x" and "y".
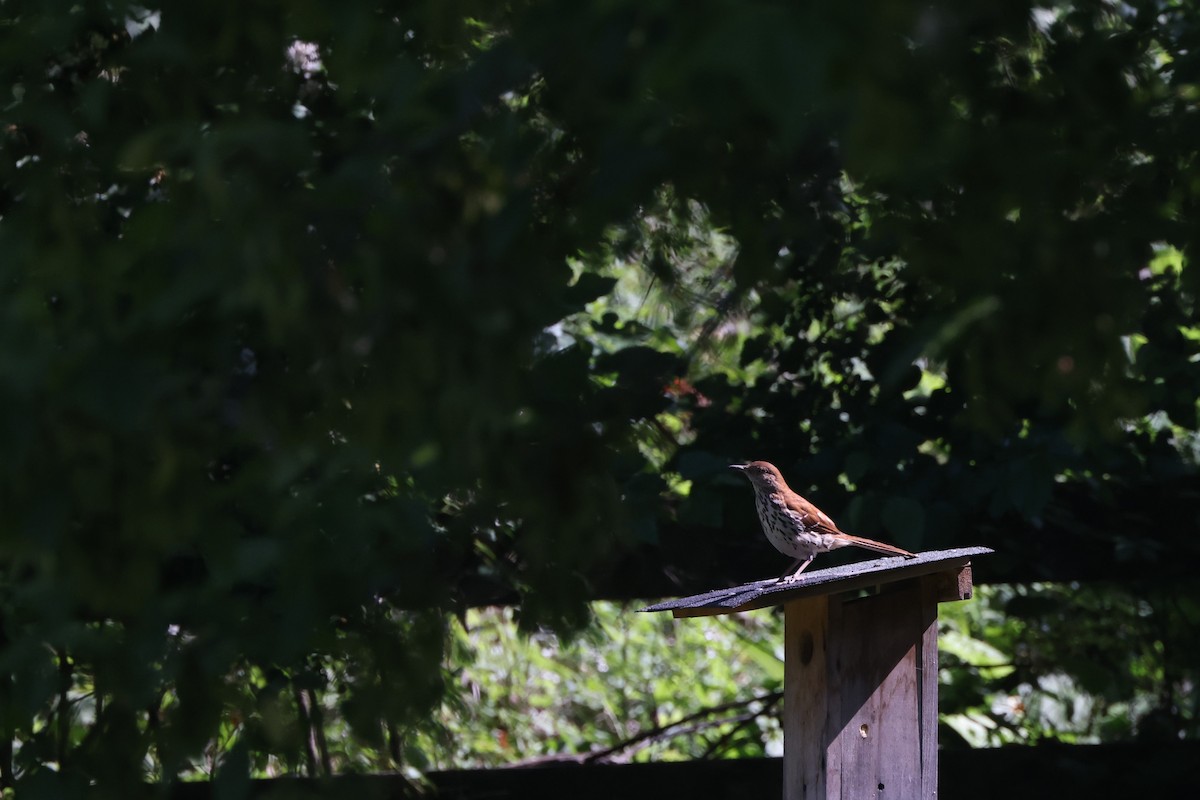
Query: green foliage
{"x": 318, "y": 323}
{"x": 1069, "y": 663}
{"x": 1019, "y": 664}
{"x": 635, "y": 687}
{"x": 272, "y": 311}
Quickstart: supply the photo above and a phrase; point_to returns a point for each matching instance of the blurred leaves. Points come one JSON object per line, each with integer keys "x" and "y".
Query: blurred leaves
{"x": 1068, "y": 662}
{"x": 636, "y": 687}
{"x": 318, "y": 324}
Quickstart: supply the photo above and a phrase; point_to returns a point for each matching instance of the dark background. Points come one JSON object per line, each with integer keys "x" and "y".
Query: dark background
{"x": 303, "y": 354}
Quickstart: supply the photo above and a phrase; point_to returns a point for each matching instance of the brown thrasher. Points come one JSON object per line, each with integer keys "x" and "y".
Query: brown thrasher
{"x": 795, "y": 526}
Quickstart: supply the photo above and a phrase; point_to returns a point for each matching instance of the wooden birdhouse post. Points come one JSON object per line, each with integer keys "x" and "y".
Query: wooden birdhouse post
{"x": 860, "y": 671}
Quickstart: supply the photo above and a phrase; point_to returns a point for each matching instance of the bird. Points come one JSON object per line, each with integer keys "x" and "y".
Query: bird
{"x": 795, "y": 526}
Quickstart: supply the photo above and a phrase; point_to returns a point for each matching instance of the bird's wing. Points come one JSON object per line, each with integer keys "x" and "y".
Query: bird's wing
{"x": 825, "y": 521}
{"x": 820, "y": 521}
{"x": 815, "y": 517}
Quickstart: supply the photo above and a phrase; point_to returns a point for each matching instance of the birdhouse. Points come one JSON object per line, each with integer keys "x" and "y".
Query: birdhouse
{"x": 860, "y": 709}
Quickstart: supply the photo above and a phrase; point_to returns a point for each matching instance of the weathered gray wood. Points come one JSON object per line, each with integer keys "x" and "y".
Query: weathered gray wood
{"x": 860, "y": 695}
{"x": 834, "y": 722}
{"x": 860, "y": 671}
{"x": 805, "y": 697}
{"x": 876, "y": 655}
{"x": 844, "y": 578}
{"x": 927, "y": 678}
{"x": 953, "y": 585}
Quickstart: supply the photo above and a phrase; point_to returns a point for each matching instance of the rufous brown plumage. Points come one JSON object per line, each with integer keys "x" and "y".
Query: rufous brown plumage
{"x": 795, "y": 526}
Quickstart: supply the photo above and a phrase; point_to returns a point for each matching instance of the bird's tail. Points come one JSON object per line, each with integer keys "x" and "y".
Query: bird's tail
{"x": 878, "y": 547}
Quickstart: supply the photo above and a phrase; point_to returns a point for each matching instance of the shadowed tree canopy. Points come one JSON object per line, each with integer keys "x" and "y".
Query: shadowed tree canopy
{"x": 319, "y": 321}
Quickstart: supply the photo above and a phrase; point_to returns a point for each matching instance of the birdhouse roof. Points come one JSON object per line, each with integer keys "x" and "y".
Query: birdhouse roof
{"x": 834, "y": 580}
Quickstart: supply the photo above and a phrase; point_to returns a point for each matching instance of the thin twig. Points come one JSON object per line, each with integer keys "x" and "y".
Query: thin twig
{"x": 698, "y": 727}
{"x": 65, "y": 679}
{"x": 317, "y": 715}
{"x": 672, "y": 728}
{"x": 395, "y": 745}
{"x": 310, "y": 750}
{"x": 716, "y": 746}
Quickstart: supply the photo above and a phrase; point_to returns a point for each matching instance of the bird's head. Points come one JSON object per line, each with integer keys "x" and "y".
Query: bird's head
{"x": 762, "y": 474}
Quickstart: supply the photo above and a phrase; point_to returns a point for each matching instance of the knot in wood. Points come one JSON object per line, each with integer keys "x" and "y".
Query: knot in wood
{"x": 806, "y": 647}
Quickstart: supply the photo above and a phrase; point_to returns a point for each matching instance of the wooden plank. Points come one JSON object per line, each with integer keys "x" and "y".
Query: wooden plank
{"x": 955, "y": 584}
{"x": 927, "y": 680}
{"x": 833, "y": 718}
{"x": 876, "y": 651}
{"x": 805, "y": 696}
{"x": 1161, "y": 769}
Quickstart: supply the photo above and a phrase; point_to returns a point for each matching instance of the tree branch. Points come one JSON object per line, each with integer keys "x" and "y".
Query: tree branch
{"x": 683, "y": 725}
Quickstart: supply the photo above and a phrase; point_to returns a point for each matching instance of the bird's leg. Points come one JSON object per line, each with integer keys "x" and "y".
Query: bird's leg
{"x": 789, "y": 576}
{"x": 788, "y": 571}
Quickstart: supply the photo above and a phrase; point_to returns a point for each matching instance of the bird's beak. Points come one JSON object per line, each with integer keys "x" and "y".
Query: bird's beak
{"x": 738, "y": 467}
